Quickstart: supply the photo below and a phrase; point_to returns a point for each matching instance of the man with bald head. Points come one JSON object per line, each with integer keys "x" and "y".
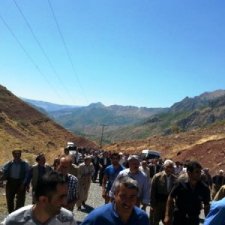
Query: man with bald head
{"x": 63, "y": 167}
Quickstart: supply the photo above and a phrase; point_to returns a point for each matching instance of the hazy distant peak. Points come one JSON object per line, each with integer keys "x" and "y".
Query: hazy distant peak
{"x": 212, "y": 95}
{"x": 96, "y": 105}
{"x": 48, "y": 106}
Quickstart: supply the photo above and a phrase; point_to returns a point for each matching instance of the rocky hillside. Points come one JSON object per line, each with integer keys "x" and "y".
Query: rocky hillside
{"x": 23, "y": 127}
{"x": 186, "y": 115}
{"x": 206, "y": 145}
{"x": 195, "y": 130}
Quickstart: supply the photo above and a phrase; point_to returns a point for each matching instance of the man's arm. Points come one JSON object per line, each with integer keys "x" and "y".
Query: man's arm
{"x": 206, "y": 209}
{"x": 169, "y": 211}
{"x": 153, "y": 192}
{"x": 104, "y": 181}
{"x": 220, "y": 194}
{"x": 146, "y": 193}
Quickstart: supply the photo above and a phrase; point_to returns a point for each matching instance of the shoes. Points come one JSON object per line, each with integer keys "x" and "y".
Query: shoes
{"x": 83, "y": 204}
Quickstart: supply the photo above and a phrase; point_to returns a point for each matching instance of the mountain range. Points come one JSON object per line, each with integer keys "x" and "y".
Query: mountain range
{"x": 193, "y": 128}
{"x": 123, "y": 123}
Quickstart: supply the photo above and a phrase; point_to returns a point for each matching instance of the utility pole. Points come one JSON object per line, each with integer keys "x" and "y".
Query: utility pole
{"x": 103, "y": 127}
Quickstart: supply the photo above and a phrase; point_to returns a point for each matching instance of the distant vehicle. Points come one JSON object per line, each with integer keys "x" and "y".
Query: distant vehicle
{"x": 149, "y": 154}
{"x": 71, "y": 146}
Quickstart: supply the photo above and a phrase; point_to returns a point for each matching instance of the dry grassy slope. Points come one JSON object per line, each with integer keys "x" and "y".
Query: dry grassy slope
{"x": 206, "y": 145}
{"x": 21, "y": 126}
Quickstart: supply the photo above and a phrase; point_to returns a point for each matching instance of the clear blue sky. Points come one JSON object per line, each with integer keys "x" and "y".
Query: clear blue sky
{"x": 149, "y": 53}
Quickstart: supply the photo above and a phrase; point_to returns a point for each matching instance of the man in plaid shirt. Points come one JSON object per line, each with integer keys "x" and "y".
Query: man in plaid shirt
{"x": 72, "y": 195}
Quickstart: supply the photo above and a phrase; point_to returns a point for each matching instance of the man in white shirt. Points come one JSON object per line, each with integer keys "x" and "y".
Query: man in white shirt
{"x": 51, "y": 193}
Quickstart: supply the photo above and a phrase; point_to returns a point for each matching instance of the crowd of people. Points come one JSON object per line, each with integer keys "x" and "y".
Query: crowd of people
{"x": 175, "y": 192}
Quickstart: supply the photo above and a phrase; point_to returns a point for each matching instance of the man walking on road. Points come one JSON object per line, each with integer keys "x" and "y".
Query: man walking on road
{"x": 110, "y": 175}
{"x": 162, "y": 184}
{"x": 51, "y": 192}
{"x": 15, "y": 172}
{"x": 143, "y": 183}
{"x": 189, "y": 197}
{"x": 122, "y": 210}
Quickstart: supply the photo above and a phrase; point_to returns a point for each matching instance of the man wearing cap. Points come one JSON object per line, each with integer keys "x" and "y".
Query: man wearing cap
{"x": 143, "y": 183}
{"x": 15, "y": 172}
{"x": 36, "y": 172}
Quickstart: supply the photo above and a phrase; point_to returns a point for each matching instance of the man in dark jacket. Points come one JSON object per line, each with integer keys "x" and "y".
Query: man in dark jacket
{"x": 189, "y": 196}
{"x": 15, "y": 172}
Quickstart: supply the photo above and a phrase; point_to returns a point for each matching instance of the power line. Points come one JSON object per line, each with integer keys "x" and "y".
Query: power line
{"x": 66, "y": 49}
{"x": 101, "y": 139}
{"x": 27, "y": 54}
{"x": 42, "y": 49}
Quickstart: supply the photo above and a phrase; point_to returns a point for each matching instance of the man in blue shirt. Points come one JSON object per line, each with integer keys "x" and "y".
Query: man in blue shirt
{"x": 110, "y": 175}
{"x": 216, "y": 215}
{"x": 123, "y": 210}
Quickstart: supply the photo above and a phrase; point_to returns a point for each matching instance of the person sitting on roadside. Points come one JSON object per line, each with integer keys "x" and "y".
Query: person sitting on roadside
{"x": 122, "y": 210}
{"x": 50, "y": 195}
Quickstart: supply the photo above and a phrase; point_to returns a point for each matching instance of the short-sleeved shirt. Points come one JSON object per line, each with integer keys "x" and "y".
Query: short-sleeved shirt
{"x": 143, "y": 184}
{"x": 24, "y": 216}
{"x": 189, "y": 200}
{"x": 111, "y": 172}
{"x": 216, "y": 215}
{"x": 107, "y": 215}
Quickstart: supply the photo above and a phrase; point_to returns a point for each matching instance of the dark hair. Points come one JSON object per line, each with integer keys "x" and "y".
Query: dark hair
{"x": 192, "y": 165}
{"x": 127, "y": 182}
{"x": 48, "y": 184}
{"x": 38, "y": 157}
{"x": 115, "y": 154}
